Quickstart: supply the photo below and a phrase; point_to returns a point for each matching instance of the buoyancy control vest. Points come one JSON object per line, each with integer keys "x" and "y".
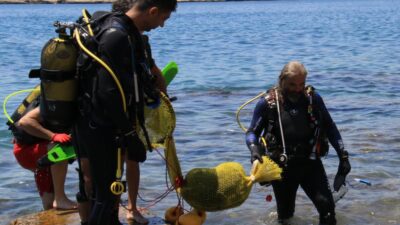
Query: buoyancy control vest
{"x": 28, "y": 104}
{"x": 87, "y": 68}
{"x": 317, "y": 146}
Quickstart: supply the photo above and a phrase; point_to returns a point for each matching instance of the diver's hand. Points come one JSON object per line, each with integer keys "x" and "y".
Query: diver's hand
{"x": 256, "y": 153}
{"x": 135, "y": 148}
{"x": 343, "y": 169}
{"x": 61, "y": 138}
{"x": 152, "y": 98}
{"x": 266, "y": 184}
{"x": 153, "y": 103}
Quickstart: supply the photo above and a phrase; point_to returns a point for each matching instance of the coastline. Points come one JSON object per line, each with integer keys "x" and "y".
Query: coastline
{"x": 80, "y": 1}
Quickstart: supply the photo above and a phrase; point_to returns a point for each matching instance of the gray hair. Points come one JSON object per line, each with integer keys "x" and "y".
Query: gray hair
{"x": 289, "y": 70}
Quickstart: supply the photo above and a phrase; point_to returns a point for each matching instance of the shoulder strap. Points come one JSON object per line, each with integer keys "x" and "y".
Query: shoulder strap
{"x": 311, "y": 109}
{"x": 103, "y": 23}
{"x": 138, "y": 97}
{"x": 271, "y": 101}
{"x": 320, "y": 142}
{"x": 270, "y": 97}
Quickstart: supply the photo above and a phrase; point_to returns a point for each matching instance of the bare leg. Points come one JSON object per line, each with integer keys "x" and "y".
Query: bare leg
{"x": 44, "y": 185}
{"x": 47, "y": 200}
{"x": 132, "y": 177}
{"x": 59, "y": 173}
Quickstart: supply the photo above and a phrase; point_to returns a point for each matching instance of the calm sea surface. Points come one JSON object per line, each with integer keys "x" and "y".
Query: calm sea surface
{"x": 228, "y": 53}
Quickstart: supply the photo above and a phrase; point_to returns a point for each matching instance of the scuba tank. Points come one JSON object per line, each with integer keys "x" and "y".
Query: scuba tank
{"x": 29, "y": 103}
{"x": 59, "y": 84}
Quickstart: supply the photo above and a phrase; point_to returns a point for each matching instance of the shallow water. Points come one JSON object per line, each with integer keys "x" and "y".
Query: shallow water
{"x": 227, "y": 53}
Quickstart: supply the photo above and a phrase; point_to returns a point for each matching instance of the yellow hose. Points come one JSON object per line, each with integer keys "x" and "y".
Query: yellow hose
{"x": 242, "y": 106}
{"x": 8, "y": 97}
{"x": 116, "y": 187}
{"x": 110, "y": 71}
{"x": 238, "y": 115}
{"x": 86, "y": 19}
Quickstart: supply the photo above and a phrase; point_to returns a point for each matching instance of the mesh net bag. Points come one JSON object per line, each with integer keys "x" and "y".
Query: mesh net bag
{"x": 207, "y": 189}
{"x": 213, "y": 189}
{"x": 225, "y": 186}
{"x": 159, "y": 122}
{"x": 173, "y": 165}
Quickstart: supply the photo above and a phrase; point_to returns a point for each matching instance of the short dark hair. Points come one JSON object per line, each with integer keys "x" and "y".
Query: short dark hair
{"x": 122, "y": 5}
{"x": 125, "y": 5}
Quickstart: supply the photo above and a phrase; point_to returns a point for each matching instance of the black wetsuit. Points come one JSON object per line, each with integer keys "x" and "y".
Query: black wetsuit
{"x": 149, "y": 54}
{"x": 104, "y": 124}
{"x": 301, "y": 169}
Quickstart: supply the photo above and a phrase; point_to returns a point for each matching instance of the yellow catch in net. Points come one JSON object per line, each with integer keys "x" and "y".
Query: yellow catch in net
{"x": 225, "y": 186}
{"x": 206, "y": 189}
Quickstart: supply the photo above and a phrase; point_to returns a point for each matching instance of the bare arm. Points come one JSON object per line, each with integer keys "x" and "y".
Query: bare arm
{"x": 30, "y": 123}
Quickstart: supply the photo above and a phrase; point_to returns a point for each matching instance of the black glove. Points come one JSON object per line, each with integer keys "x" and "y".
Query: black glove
{"x": 135, "y": 147}
{"x": 266, "y": 184}
{"x": 153, "y": 103}
{"x": 343, "y": 169}
{"x": 256, "y": 153}
{"x": 151, "y": 91}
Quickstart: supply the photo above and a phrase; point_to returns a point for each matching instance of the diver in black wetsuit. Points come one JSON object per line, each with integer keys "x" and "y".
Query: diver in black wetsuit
{"x": 306, "y": 126}
{"x": 105, "y": 125}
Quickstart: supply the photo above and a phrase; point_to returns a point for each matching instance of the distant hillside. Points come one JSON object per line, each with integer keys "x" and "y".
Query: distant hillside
{"x": 78, "y": 1}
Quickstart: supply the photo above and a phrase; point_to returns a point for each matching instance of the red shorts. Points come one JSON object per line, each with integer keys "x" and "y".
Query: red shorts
{"x": 27, "y": 156}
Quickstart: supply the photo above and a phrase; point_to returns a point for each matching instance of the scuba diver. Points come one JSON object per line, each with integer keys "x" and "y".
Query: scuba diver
{"x": 31, "y": 141}
{"x": 84, "y": 206}
{"x": 296, "y": 126}
{"x": 132, "y": 167}
{"x": 124, "y": 6}
{"x": 109, "y": 121}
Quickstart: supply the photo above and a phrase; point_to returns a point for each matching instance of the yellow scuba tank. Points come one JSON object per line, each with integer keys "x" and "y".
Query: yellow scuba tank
{"x": 59, "y": 83}
{"x": 30, "y": 102}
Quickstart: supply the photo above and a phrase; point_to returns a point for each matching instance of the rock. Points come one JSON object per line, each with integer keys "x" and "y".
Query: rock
{"x": 71, "y": 217}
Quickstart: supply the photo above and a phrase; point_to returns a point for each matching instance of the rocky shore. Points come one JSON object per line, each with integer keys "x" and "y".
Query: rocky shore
{"x": 52, "y": 1}
{"x": 71, "y": 217}
{"x": 77, "y": 1}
